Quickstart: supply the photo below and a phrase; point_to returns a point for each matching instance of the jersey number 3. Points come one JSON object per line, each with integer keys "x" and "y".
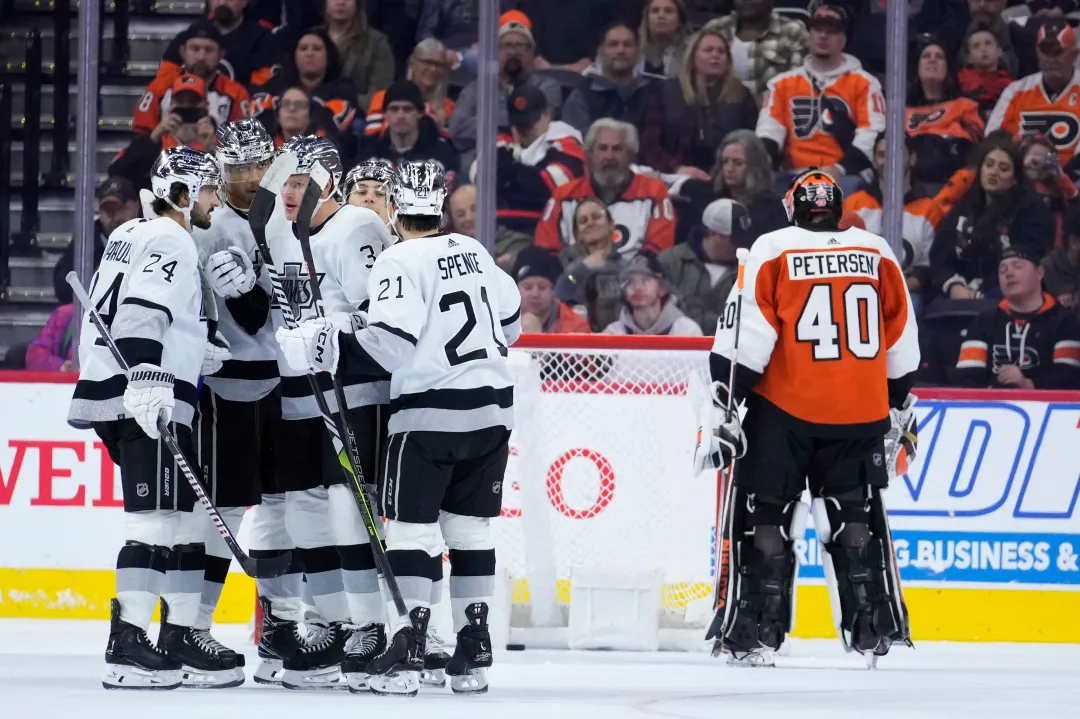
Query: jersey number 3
{"x": 861, "y": 322}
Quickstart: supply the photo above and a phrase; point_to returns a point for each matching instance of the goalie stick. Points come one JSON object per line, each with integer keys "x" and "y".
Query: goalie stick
{"x": 257, "y": 568}
{"x": 262, "y": 208}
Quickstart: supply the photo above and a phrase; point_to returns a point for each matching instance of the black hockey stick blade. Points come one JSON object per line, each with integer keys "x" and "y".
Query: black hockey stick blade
{"x": 262, "y": 206}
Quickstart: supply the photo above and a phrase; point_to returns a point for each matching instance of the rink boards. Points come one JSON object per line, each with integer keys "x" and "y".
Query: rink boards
{"x": 985, "y": 525}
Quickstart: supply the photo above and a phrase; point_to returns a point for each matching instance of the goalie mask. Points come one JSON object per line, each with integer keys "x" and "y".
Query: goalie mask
{"x": 420, "y": 190}
{"x": 194, "y": 169}
{"x": 814, "y": 201}
{"x": 242, "y": 148}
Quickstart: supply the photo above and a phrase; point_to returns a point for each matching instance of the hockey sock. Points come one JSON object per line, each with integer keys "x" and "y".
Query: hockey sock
{"x": 218, "y": 559}
{"x": 270, "y": 539}
{"x": 472, "y": 579}
{"x": 415, "y": 572}
{"x": 361, "y": 581}
{"x": 184, "y": 583}
{"x": 322, "y": 567}
{"x": 140, "y": 577}
{"x": 437, "y": 582}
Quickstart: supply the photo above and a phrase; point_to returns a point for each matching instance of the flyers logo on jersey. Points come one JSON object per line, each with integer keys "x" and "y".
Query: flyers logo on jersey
{"x": 805, "y": 116}
{"x": 1062, "y": 128}
{"x": 917, "y": 120}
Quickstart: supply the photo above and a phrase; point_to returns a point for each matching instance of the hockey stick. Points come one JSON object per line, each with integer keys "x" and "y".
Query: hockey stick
{"x": 257, "y": 568}
{"x": 722, "y": 592}
{"x": 262, "y": 208}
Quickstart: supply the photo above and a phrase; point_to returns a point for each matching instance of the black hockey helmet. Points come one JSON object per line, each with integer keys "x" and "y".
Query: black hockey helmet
{"x": 374, "y": 170}
{"x": 814, "y": 201}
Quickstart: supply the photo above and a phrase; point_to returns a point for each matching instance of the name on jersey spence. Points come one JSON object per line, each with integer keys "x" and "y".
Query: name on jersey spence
{"x": 463, "y": 263}
{"x": 834, "y": 263}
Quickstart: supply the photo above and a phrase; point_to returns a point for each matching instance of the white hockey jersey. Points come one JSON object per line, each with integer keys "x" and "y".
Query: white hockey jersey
{"x": 344, "y": 249}
{"x": 252, "y": 373}
{"x": 148, "y": 291}
{"x": 441, "y": 318}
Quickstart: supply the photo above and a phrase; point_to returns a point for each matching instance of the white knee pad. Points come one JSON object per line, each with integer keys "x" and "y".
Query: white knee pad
{"x": 155, "y": 528}
{"x": 404, "y": 536}
{"x": 307, "y": 518}
{"x": 466, "y": 533}
{"x": 268, "y": 524}
{"x": 345, "y": 519}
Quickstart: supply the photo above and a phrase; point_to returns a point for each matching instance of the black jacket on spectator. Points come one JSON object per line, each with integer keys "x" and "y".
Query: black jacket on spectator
{"x": 766, "y": 209}
{"x": 136, "y": 160}
{"x": 568, "y": 30}
{"x": 333, "y": 106}
{"x": 523, "y": 190}
{"x": 249, "y": 53}
{"x": 599, "y": 97}
{"x": 1044, "y": 344}
{"x": 66, "y": 264}
{"x": 430, "y": 145}
{"x": 969, "y": 242}
{"x": 454, "y": 22}
{"x": 689, "y": 134}
{"x": 1062, "y": 279}
{"x": 867, "y": 36}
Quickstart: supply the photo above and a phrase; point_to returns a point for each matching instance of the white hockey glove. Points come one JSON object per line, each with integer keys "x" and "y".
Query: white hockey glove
{"x": 231, "y": 273}
{"x": 311, "y": 345}
{"x": 902, "y": 439}
{"x": 149, "y": 394}
{"x": 216, "y": 354}
{"x": 348, "y": 321}
{"x": 720, "y": 438}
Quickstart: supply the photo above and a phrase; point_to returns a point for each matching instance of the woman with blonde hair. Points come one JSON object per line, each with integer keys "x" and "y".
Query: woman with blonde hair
{"x": 429, "y": 71}
{"x": 663, "y": 32}
{"x": 698, "y": 108}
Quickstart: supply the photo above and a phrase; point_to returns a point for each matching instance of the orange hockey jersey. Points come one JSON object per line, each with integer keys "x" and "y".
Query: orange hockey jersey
{"x": 826, "y": 323}
{"x": 1025, "y": 108}
{"x": 227, "y": 101}
{"x": 644, "y": 216}
{"x": 791, "y": 115}
{"x": 375, "y": 121}
{"x": 921, "y": 219}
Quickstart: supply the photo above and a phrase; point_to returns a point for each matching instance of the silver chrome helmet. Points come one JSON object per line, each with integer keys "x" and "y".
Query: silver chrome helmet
{"x": 310, "y": 149}
{"x": 194, "y": 169}
{"x": 244, "y": 142}
{"x": 375, "y": 170}
{"x": 421, "y": 189}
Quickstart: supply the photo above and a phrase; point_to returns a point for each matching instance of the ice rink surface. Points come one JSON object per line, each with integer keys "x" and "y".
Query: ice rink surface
{"x": 52, "y": 670}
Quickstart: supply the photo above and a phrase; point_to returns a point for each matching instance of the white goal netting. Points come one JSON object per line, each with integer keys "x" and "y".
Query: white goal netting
{"x": 600, "y": 475}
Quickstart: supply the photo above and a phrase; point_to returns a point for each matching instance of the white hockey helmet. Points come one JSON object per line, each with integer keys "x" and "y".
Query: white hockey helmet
{"x": 420, "y": 189}
{"x": 194, "y": 169}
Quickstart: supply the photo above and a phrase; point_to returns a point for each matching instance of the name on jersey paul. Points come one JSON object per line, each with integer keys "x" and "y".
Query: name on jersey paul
{"x": 463, "y": 263}
{"x": 846, "y": 263}
{"x": 118, "y": 251}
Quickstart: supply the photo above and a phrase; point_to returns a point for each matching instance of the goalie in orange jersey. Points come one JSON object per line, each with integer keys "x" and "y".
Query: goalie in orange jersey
{"x": 824, "y": 347}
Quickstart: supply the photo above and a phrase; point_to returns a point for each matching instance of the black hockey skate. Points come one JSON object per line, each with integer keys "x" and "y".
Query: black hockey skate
{"x": 396, "y": 672}
{"x": 435, "y": 660}
{"x": 468, "y": 667}
{"x": 279, "y": 639}
{"x": 317, "y": 664}
{"x": 133, "y": 662}
{"x": 204, "y": 666}
{"x": 363, "y": 644}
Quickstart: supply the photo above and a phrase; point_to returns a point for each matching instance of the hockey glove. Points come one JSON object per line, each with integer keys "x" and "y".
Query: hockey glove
{"x": 310, "y": 345}
{"x": 216, "y": 354}
{"x": 720, "y": 439}
{"x": 149, "y": 394}
{"x": 348, "y": 321}
{"x": 231, "y": 273}
{"x": 902, "y": 439}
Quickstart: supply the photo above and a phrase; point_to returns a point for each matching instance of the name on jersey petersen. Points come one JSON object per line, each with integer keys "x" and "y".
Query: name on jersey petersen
{"x": 463, "y": 263}
{"x": 835, "y": 263}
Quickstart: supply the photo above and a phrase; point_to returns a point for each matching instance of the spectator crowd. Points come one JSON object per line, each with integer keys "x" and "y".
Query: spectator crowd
{"x": 642, "y": 142}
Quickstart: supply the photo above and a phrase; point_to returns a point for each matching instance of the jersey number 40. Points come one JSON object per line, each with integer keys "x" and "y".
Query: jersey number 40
{"x": 860, "y": 324}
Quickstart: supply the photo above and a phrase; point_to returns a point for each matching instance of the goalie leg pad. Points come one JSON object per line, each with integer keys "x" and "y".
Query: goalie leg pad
{"x": 766, "y": 565}
{"x": 858, "y": 562}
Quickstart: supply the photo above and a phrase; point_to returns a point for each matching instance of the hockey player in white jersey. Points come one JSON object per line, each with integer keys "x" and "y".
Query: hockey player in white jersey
{"x": 148, "y": 290}
{"x": 321, "y": 513}
{"x": 370, "y": 185}
{"x": 441, "y": 318}
{"x": 240, "y": 405}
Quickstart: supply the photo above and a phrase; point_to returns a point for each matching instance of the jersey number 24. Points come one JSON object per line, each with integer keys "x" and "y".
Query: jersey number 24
{"x": 860, "y": 325}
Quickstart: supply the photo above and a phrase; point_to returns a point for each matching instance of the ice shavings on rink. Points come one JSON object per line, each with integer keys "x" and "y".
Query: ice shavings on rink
{"x": 52, "y": 670}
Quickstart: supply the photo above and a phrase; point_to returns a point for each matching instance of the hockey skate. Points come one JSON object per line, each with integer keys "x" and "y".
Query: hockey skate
{"x": 317, "y": 664}
{"x": 396, "y": 672}
{"x": 435, "y": 660}
{"x": 279, "y": 639}
{"x": 204, "y": 666}
{"x": 133, "y": 662}
{"x": 468, "y": 667}
{"x": 364, "y": 644}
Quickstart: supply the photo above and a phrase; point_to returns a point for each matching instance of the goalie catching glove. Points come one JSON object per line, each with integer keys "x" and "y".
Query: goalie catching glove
{"x": 313, "y": 344}
{"x": 149, "y": 394}
{"x": 902, "y": 439}
{"x": 720, "y": 438}
{"x": 231, "y": 273}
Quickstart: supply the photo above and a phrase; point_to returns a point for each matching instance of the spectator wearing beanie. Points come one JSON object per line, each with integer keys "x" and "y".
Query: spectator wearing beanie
{"x": 536, "y": 272}
{"x": 702, "y": 270}
{"x": 429, "y": 71}
{"x": 1028, "y": 341}
{"x": 650, "y": 304}
{"x": 411, "y": 135}
{"x": 593, "y": 263}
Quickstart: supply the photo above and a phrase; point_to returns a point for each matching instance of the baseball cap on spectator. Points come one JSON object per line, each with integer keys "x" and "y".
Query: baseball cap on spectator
{"x": 731, "y": 219}
{"x": 1055, "y": 34}
{"x": 645, "y": 264}
{"x": 1024, "y": 252}
{"x": 117, "y": 189}
{"x": 536, "y": 262}
{"x": 829, "y": 16}
{"x": 525, "y": 105}
{"x": 203, "y": 28}
{"x": 189, "y": 83}
{"x": 516, "y": 21}
{"x": 404, "y": 91}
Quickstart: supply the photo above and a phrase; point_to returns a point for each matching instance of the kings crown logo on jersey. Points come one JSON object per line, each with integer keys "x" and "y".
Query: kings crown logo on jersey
{"x": 297, "y": 286}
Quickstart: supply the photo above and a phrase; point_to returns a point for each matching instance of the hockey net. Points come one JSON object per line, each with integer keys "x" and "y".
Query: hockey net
{"x": 600, "y": 477}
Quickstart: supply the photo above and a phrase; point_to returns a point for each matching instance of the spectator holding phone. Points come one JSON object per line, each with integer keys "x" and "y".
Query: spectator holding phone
{"x": 1042, "y": 169}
